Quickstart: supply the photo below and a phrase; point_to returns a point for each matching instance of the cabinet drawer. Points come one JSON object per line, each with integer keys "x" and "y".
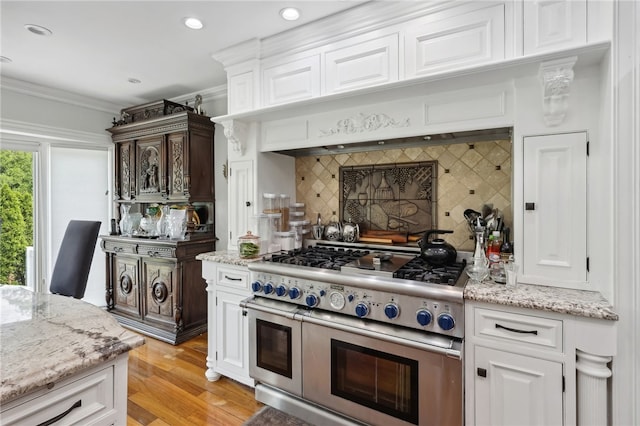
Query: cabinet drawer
{"x": 231, "y": 277}
{"x": 535, "y": 331}
{"x": 92, "y": 397}
{"x": 119, "y": 247}
{"x": 156, "y": 251}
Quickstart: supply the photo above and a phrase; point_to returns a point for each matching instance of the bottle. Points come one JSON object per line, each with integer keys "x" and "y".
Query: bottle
{"x": 478, "y": 270}
{"x": 493, "y": 248}
{"x": 506, "y": 249}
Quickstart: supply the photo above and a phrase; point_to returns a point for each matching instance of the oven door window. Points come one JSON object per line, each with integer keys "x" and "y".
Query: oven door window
{"x": 274, "y": 347}
{"x": 381, "y": 381}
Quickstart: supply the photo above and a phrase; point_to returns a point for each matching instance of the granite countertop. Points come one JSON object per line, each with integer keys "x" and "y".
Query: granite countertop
{"x": 226, "y": 256}
{"x": 46, "y": 337}
{"x": 589, "y": 304}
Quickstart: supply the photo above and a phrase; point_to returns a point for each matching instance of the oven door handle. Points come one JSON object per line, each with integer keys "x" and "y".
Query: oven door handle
{"x": 454, "y": 350}
{"x": 248, "y": 303}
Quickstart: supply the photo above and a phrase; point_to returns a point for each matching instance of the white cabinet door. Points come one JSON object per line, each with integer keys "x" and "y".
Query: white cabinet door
{"x": 232, "y": 357}
{"x": 555, "y": 210}
{"x": 241, "y": 200}
{"x": 361, "y": 65}
{"x": 292, "y": 81}
{"x": 467, "y": 39}
{"x": 513, "y": 389}
{"x": 554, "y": 25}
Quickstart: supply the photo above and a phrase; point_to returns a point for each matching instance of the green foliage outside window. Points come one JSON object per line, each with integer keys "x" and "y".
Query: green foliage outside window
{"x": 16, "y": 214}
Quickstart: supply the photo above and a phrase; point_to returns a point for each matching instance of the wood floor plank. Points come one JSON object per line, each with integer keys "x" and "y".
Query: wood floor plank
{"x": 167, "y": 386}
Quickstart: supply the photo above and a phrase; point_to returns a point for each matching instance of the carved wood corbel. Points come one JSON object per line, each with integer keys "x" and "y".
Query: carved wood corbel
{"x": 556, "y": 77}
{"x": 236, "y": 134}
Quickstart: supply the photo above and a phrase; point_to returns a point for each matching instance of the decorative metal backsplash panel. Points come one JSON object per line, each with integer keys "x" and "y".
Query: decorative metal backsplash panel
{"x": 393, "y": 197}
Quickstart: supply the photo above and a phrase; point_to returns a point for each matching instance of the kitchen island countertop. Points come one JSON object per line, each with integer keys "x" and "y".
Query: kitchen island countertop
{"x": 589, "y": 304}
{"x": 46, "y": 337}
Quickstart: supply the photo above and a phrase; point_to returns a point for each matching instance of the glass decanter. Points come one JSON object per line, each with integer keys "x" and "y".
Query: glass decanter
{"x": 126, "y": 224}
{"x": 479, "y": 268}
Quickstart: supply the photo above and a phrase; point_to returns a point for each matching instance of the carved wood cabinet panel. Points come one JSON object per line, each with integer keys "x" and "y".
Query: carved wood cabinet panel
{"x": 156, "y": 288}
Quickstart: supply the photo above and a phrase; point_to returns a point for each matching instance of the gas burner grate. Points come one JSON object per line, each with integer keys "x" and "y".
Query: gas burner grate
{"x": 318, "y": 257}
{"x": 419, "y": 270}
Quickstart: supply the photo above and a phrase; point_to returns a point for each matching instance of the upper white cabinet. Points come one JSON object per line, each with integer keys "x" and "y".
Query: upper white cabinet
{"x": 555, "y": 209}
{"x": 553, "y": 25}
{"x": 291, "y": 81}
{"x": 361, "y": 65}
{"x": 434, "y": 44}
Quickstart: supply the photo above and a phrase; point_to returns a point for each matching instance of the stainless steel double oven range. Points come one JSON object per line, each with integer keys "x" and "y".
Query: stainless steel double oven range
{"x": 356, "y": 334}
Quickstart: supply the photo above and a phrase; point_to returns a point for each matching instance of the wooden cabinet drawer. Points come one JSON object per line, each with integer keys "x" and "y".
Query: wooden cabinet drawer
{"x": 88, "y": 401}
{"x": 118, "y": 247}
{"x": 232, "y": 277}
{"x": 521, "y": 329}
{"x": 156, "y": 251}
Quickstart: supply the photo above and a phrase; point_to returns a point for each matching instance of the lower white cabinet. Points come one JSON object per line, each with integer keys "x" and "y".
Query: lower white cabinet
{"x": 228, "y": 338}
{"x": 514, "y": 367}
{"x": 513, "y": 389}
{"x": 97, "y": 396}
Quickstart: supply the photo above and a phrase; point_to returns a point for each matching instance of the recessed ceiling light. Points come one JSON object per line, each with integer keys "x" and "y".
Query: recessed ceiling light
{"x": 5, "y": 60}
{"x": 290, "y": 13}
{"x": 38, "y": 30}
{"x": 134, "y": 81}
{"x": 193, "y": 23}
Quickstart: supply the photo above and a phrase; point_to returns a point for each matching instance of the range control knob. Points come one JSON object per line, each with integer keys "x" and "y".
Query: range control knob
{"x": 294, "y": 293}
{"x": 391, "y": 310}
{"x": 256, "y": 286}
{"x": 423, "y": 317}
{"x": 312, "y": 300}
{"x": 281, "y": 290}
{"x": 362, "y": 309}
{"x": 445, "y": 321}
{"x": 268, "y": 288}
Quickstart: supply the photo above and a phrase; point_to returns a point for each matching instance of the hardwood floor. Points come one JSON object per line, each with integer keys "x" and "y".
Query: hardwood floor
{"x": 167, "y": 386}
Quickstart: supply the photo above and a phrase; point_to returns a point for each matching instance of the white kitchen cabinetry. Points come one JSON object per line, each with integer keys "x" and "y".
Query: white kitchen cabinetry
{"x": 555, "y": 209}
{"x": 291, "y": 81}
{"x": 228, "y": 338}
{"x": 361, "y": 65}
{"x": 240, "y": 92}
{"x": 241, "y": 200}
{"x": 93, "y": 397}
{"x": 433, "y": 44}
{"x": 514, "y": 389}
{"x": 515, "y": 372}
{"x": 554, "y": 25}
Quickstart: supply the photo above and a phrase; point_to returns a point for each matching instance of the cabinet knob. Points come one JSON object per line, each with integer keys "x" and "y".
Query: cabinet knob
{"x": 248, "y": 203}
{"x": 529, "y": 206}
{"x": 482, "y": 372}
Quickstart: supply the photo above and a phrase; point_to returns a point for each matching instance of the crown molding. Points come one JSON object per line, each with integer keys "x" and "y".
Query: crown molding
{"x": 238, "y": 53}
{"x": 210, "y": 94}
{"x": 20, "y": 131}
{"x": 57, "y": 95}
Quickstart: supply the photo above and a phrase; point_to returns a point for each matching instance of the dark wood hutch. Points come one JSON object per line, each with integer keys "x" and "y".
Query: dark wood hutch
{"x": 164, "y": 155}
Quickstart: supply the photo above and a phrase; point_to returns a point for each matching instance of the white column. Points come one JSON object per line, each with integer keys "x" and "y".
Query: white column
{"x": 592, "y": 376}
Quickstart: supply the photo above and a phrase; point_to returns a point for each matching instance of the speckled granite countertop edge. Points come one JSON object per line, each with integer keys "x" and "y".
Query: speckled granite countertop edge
{"x": 581, "y": 303}
{"x": 226, "y": 257}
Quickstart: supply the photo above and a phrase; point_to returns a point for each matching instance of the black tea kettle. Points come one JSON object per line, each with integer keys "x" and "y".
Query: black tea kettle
{"x": 437, "y": 252}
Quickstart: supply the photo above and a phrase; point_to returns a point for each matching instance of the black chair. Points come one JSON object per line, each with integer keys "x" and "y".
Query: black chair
{"x": 73, "y": 263}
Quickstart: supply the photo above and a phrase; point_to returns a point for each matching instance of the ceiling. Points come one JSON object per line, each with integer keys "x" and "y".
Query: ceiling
{"x": 97, "y": 46}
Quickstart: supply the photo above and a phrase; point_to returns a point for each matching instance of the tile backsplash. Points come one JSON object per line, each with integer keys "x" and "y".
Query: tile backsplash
{"x": 469, "y": 175}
